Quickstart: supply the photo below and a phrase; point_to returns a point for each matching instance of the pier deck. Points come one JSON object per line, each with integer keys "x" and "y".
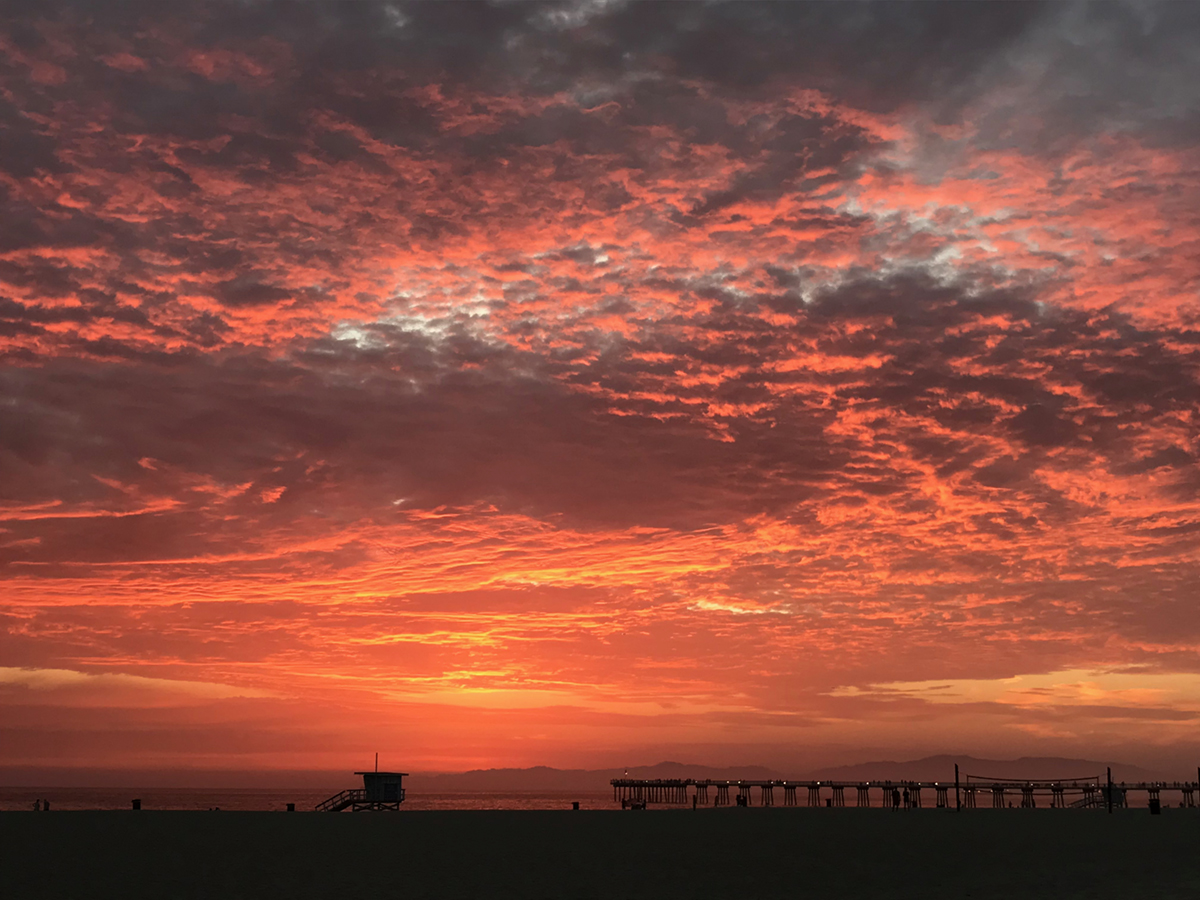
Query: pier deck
{"x": 970, "y": 792}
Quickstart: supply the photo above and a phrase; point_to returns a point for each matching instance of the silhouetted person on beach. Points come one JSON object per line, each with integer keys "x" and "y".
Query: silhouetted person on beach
{"x": 895, "y": 798}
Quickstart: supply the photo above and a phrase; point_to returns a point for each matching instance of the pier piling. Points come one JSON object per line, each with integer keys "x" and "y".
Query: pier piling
{"x": 1092, "y": 792}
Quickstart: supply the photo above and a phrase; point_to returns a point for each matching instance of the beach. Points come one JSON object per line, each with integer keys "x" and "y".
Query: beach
{"x": 725, "y": 853}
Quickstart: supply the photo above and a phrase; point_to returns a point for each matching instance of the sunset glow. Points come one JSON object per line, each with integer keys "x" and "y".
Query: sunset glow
{"x": 594, "y": 383}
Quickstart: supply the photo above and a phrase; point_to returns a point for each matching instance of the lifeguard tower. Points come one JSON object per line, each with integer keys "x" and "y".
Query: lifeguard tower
{"x": 380, "y": 790}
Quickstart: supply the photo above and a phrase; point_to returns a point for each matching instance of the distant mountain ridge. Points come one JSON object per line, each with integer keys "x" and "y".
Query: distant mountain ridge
{"x": 941, "y": 768}
{"x": 545, "y": 778}
{"x": 930, "y": 768}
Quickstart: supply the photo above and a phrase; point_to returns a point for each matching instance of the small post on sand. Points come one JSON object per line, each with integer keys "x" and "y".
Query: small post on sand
{"x": 376, "y": 760}
{"x": 1110, "y": 789}
{"x": 957, "y": 801}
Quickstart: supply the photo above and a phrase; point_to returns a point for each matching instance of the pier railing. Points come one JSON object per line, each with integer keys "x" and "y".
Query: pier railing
{"x": 973, "y": 792}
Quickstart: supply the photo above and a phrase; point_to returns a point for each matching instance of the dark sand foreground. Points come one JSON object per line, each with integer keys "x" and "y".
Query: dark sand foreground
{"x": 744, "y": 853}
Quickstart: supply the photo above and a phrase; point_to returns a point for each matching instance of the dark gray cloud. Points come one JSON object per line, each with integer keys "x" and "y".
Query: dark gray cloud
{"x": 1083, "y": 67}
{"x": 456, "y": 421}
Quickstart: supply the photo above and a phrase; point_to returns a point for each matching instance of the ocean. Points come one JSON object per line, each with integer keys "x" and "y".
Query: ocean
{"x": 250, "y": 799}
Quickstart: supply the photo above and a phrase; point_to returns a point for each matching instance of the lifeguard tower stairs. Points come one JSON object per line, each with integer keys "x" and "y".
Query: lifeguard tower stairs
{"x": 380, "y": 790}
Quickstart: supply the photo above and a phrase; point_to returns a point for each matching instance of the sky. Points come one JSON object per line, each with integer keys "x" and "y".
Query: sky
{"x": 594, "y": 383}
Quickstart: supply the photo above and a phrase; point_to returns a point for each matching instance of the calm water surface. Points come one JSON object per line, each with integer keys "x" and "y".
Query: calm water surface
{"x": 305, "y": 799}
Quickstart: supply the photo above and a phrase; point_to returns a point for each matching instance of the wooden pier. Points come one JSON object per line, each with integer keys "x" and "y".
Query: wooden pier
{"x": 967, "y": 792}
